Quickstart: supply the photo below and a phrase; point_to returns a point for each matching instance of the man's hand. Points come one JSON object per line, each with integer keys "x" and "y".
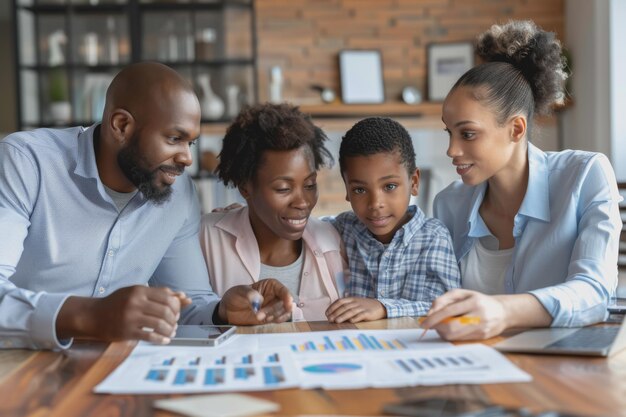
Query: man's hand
{"x": 355, "y": 309}
{"x": 137, "y": 312}
{"x": 273, "y": 298}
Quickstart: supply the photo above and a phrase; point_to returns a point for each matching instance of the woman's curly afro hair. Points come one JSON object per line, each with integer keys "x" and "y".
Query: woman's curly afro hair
{"x": 523, "y": 70}
{"x": 263, "y": 127}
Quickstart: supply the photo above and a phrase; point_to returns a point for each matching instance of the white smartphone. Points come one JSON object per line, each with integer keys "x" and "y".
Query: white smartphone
{"x": 202, "y": 335}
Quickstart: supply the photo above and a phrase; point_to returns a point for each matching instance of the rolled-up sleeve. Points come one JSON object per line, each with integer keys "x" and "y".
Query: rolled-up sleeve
{"x": 592, "y": 274}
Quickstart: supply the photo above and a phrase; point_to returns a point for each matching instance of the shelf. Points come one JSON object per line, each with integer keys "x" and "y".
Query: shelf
{"x": 212, "y": 63}
{"x": 99, "y": 67}
{"x": 340, "y": 110}
{"x": 193, "y": 5}
{"x": 75, "y": 8}
{"x": 144, "y": 29}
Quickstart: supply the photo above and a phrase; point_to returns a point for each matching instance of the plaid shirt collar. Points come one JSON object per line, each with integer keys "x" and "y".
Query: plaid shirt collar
{"x": 403, "y": 234}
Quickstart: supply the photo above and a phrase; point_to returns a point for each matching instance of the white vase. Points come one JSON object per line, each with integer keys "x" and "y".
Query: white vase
{"x": 61, "y": 112}
{"x": 211, "y": 104}
{"x": 232, "y": 101}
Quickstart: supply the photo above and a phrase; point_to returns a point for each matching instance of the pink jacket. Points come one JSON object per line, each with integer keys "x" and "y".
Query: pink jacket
{"x": 232, "y": 256}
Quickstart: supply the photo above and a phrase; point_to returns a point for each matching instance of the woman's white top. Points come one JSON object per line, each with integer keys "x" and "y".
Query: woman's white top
{"x": 484, "y": 269}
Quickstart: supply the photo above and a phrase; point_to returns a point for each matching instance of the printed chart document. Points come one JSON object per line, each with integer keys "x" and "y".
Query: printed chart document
{"x": 343, "y": 359}
{"x": 152, "y": 369}
{"x": 352, "y": 341}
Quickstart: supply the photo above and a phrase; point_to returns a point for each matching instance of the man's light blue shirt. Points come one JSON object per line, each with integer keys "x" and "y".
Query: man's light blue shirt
{"x": 61, "y": 234}
{"x": 566, "y": 233}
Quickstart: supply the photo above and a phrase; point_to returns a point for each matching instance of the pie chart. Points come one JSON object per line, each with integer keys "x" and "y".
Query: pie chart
{"x": 332, "y": 368}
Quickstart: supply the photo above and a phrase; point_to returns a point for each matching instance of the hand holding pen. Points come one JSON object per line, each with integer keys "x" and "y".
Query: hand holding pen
{"x": 265, "y": 301}
{"x": 272, "y": 301}
{"x": 462, "y": 320}
{"x": 463, "y": 314}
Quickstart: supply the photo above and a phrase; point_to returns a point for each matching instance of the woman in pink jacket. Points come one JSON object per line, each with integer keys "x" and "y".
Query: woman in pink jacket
{"x": 272, "y": 153}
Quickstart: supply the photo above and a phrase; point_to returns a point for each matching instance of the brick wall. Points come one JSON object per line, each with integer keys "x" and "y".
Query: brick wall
{"x": 303, "y": 37}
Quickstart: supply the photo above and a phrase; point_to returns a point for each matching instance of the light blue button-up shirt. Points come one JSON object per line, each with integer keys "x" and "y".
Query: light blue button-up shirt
{"x": 566, "y": 233}
{"x": 61, "y": 234}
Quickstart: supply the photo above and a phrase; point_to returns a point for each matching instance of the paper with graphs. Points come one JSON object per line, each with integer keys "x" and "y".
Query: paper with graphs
{"x": 344, "y": 359}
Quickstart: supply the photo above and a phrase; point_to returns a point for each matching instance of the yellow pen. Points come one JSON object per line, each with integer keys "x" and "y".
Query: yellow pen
{"x": 461, "y": 319}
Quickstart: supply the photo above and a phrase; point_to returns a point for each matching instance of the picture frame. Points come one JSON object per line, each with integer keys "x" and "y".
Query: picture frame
{"x": 446, "y": 63}
{"x": 361, "y": 73}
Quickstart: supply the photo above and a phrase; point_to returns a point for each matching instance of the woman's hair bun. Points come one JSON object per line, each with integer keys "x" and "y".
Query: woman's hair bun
{"x": 535, "y": 52}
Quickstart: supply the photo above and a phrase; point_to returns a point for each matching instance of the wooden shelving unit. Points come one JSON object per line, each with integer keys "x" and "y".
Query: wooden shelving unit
{"x": 395, "y": 109}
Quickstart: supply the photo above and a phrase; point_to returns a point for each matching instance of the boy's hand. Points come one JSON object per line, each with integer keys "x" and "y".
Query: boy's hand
{"x": 355, "y": 309}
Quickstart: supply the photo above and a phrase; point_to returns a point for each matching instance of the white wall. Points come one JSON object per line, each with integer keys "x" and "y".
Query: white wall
{"x": 587, "y": 124}
{"x": 618, "y": 87}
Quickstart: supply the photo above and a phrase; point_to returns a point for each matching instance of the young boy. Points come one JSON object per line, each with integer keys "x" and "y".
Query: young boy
{"x": 399, "y": 259}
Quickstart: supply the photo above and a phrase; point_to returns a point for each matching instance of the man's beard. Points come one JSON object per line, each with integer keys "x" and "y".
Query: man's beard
{"x": 134, "y": 166}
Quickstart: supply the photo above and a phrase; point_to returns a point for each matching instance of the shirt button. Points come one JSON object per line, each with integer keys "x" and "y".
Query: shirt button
{"x": 101, "y": 290}
{"x": 111, "y": 253}
{"x": 301, "y": 305}
{"x": 306, "y": 273}
{"x": 382, "y": 293}
{"x": 317, "y": 253}
{"x": 386, "y": 254}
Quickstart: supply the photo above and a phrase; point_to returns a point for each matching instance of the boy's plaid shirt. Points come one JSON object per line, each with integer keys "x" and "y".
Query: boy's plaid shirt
{"x": 417, "y": 266}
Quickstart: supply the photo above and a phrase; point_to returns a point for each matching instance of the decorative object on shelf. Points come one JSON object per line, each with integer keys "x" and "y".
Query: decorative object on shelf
{"x": 60, "y": 108}
{"x": 168, "y": 43}
{"x": 91, "y": 48}
{"x": 232, "y": 101}
{"x": 55, "y": 40}
{"x": 93, "y": 96}
{"x": 326, "y": 94}
{"x": 211, "y": 104}
{"x": 361, "y": 76}
{"x": 276, "y": 85}
{"x": 446, "y": 63}
{"x": 411, "y": 95}
{"x": 112, "y": 46}
{"x": 205, "y": 44}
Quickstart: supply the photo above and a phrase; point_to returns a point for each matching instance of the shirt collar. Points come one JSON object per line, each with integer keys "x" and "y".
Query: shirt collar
{"x": 86, "y": 161}
{"x": 410, "y": 228}
{"x": 536, "y": 203}
{"x": 477, "y": 228}
{"x": 87, "y": 167}
{"x": 406, "y": 232}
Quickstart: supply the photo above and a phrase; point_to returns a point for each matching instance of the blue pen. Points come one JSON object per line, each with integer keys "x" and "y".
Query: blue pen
{"x": 256, "y": 304}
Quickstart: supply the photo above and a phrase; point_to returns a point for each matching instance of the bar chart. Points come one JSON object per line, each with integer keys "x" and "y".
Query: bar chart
{"x": 359, "y": 342}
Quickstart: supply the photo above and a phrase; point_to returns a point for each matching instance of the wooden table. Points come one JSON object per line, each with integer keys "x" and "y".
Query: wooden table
{"x": 60, "y": 383}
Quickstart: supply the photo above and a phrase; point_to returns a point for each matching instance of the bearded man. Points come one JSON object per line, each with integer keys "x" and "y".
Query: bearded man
{"x": 99, "y": 226}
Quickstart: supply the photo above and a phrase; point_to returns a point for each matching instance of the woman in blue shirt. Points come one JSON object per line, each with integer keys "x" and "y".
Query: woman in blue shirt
{"x": 536, "y": 233}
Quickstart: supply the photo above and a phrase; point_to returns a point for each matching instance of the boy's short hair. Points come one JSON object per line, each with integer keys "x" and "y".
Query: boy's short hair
{"x": 267, "y": 127}
{"x": 377, "y": 135}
